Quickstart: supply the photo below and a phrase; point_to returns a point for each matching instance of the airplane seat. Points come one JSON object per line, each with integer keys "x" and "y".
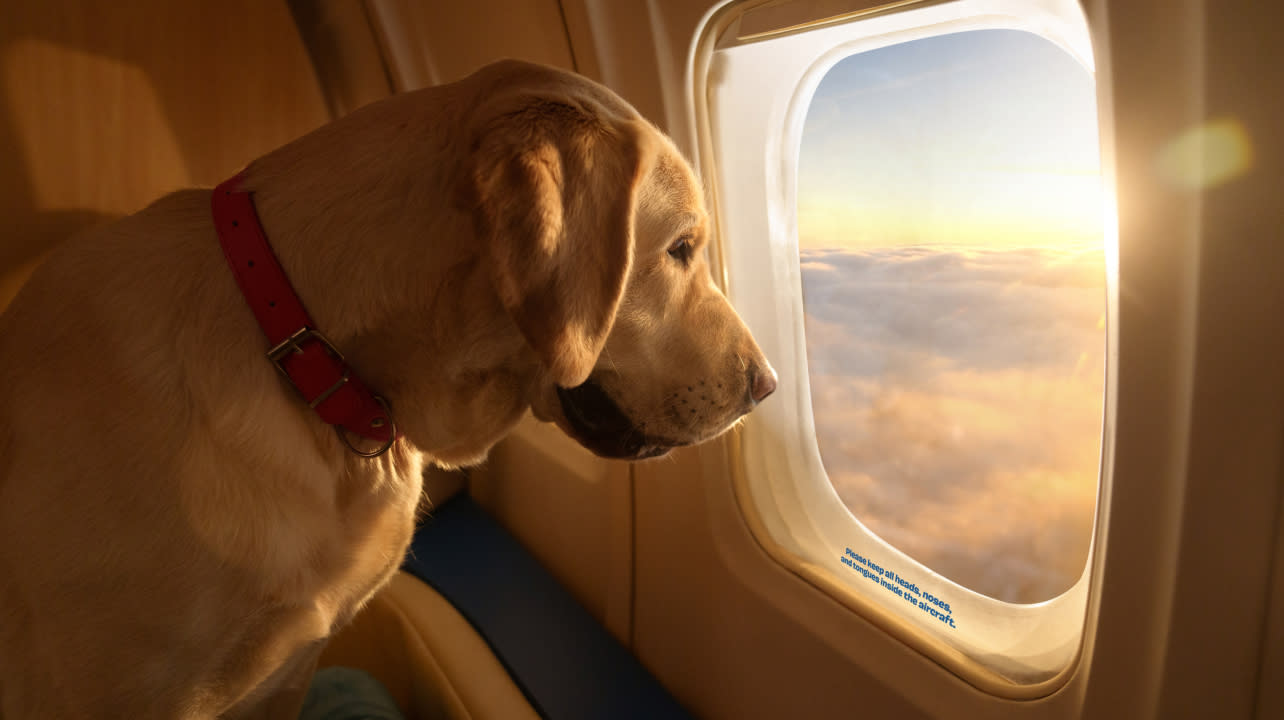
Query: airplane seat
{"x": 429, "y": 658}
{"x": 474, "y": 627}
{"x": 427, "y": 655}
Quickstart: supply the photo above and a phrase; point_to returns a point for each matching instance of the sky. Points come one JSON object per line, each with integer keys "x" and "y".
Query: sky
{"x": 985, "y": 136}
{"x": 954, "y": 287}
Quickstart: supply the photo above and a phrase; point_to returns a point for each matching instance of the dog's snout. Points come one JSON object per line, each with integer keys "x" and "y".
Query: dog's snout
{"x": 762, "y": 382}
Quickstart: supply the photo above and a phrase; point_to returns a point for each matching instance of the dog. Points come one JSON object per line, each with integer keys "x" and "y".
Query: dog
{"x": 180, "y": 533}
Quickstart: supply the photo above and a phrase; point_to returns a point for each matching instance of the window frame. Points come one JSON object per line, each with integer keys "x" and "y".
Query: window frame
{"x": 769, "y": 438}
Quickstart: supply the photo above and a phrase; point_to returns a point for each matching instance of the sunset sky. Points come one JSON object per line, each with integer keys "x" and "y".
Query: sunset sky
{"x": 985, "y": 137}
{"x": 954, "y": 286}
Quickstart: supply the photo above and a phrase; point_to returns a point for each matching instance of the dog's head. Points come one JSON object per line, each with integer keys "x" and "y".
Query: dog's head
{"x": 595, "y": 230}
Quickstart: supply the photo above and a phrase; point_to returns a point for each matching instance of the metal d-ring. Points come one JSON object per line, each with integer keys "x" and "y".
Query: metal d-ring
{"x": 392, "y": 433}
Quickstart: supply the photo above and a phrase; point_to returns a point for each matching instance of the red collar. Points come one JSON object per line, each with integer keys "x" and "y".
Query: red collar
{"x": 299, "y": 351}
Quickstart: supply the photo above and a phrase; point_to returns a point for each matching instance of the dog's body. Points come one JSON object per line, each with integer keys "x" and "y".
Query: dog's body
{"x": 179, "y": 533}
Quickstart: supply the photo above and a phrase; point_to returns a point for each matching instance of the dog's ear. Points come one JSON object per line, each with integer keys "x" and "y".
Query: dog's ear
{"x": 553, "y": 192}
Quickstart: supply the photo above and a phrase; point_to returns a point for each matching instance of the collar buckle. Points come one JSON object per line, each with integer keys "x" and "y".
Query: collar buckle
{"x": 292, "y": 346}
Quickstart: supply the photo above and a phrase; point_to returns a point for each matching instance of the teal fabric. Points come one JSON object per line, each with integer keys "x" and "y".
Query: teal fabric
{"x": 340, "y": 693}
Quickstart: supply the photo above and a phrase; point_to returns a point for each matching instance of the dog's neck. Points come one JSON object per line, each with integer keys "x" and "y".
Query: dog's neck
{"x": 355, "y": 205}
{"x": 360, "y": 214}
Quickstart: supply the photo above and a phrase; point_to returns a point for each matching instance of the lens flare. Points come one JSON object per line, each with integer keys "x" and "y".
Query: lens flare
{"x": 1206, "y": 156}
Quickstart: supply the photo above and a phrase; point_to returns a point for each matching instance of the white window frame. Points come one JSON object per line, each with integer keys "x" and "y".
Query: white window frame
{"x": 748, "y": 124}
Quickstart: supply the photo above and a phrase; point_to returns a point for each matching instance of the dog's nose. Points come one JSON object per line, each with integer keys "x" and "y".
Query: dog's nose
{"x": 762, "y": 382}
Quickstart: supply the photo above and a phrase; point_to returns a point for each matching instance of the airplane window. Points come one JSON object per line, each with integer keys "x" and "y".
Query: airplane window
{"x": 949, "y": 211}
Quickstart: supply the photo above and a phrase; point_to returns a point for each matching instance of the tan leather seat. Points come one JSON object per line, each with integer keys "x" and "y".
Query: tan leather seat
{"x": 429, "y": 657}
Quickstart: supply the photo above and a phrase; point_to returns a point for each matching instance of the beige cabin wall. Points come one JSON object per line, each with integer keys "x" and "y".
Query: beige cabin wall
{"x": 104, "y": 107}
{"x": 439, "y": 42}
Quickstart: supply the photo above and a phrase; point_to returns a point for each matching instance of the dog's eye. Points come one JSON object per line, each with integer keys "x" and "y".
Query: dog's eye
{"x": 681, "y": 249}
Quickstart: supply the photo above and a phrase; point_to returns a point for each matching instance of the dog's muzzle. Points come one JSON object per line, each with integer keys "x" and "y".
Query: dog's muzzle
{"x": 601, "y": 426}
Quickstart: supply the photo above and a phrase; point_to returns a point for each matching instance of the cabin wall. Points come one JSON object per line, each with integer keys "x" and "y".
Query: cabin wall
{"x": 440, "y": 42}
{"x": 108, "y": 106}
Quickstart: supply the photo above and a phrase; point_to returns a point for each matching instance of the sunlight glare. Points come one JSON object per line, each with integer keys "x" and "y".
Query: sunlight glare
{"x": 1208, "y": 155}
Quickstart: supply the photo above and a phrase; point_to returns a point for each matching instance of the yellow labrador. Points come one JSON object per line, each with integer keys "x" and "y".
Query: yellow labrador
{"x": 179, "y": 533}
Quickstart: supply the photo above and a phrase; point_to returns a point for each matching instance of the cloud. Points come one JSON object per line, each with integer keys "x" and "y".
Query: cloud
{"x": 958, "y": 397}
